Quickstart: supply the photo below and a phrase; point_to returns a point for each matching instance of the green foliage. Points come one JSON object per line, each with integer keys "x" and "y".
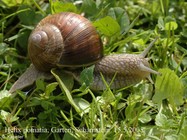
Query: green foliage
{"x": 169, "y": 86}
{"x": 65, "y": 109}
{"x": 58, "y": 7}
{"x": 108, "y": 26}
{"x": 86, "y": 76}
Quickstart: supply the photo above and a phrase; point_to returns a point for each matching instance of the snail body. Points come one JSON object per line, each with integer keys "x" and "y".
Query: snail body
{"x": 121, "y": 70}
{"x": 70, "y": 40}
{"x": 130, "y": 73}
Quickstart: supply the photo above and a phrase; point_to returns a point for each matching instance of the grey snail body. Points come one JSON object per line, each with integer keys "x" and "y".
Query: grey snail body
{"x": 70, "y": 40}
{"x": 132, "y": 71}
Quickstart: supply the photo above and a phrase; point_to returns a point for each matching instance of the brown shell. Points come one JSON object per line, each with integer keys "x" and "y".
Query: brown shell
{"x": 66, "y": 40}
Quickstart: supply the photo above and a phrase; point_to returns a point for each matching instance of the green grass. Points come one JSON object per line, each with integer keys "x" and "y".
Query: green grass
{"x": 63, "y": 109}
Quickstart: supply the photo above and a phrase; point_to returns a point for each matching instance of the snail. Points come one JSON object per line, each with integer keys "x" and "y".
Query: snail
{"x": 69, "y": 40}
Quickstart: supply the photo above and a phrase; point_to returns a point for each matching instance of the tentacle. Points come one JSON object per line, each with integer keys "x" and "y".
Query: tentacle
{"x": 150, "y": 79}
{"x": 147, "y": 69}
{"x": 145, "y": 52}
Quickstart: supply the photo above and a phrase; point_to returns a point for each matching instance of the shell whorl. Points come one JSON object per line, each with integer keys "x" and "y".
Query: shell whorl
{"x": 45, "y": 47}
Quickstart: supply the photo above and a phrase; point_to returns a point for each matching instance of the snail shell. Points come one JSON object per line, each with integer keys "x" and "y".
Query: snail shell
{"x": 64, "y": 40}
